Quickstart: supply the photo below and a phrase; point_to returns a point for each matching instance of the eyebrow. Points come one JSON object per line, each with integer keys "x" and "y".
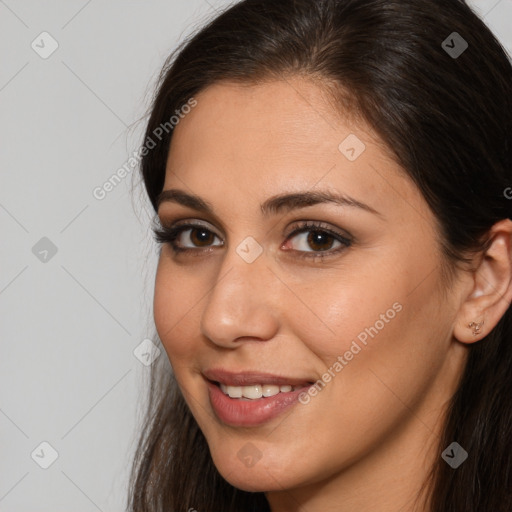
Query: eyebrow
{"x": 276, "y": 204}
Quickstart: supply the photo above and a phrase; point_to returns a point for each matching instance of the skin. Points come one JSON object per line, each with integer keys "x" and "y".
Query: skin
{"x": 366, "y": 440}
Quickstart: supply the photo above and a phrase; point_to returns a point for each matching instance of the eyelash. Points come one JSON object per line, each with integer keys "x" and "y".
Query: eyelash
{"x": 168, "y": 235}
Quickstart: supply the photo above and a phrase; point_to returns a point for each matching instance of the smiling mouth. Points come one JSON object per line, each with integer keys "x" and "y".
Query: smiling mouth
{"x": 257, "y": 391}
{"x": 253, "y": 403}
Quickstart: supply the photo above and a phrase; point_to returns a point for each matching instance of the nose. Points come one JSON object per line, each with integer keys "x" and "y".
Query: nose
{"x": 242, "y": 303}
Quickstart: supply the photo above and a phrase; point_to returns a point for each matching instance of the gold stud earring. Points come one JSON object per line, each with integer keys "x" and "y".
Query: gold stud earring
{"x": 476, "y": 326}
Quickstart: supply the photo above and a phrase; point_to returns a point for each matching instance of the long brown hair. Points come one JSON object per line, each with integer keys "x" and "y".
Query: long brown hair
{"x": 445, "y": 111}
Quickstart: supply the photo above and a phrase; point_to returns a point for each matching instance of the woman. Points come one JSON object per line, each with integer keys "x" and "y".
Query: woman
{"x": 335, "y": 274}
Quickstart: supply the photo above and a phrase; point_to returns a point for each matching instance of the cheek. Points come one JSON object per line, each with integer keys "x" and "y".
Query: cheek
{"x": 390, "y": 352}
{"x": 382, "y": 306}
{"x": 175, "y": 306}
{"x": 376, "y": 338}
{"x": 348, "y": 313}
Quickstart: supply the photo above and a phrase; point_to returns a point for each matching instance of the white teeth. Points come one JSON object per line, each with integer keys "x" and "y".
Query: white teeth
{"x": 270, "y": 390}
{"x": 252, "y": 392}
{"x": 232, "y": 391}
{"x": 235, "y": 392}
{"x": 255, "y": 391}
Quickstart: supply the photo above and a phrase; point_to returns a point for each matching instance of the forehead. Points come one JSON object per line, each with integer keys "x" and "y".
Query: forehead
{"x": 276, "y": 119}
{"x": 283, "y": 136}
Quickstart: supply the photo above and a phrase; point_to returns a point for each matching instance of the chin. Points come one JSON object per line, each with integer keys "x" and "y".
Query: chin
{"x": 254, "y": 480}
{"x": 252, "y": 475}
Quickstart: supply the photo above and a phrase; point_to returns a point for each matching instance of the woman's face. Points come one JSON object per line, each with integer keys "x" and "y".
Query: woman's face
{"x": 253, "y": 302}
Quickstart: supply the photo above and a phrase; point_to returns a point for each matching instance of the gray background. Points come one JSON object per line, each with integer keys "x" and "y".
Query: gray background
{"x": 72, "y": 319}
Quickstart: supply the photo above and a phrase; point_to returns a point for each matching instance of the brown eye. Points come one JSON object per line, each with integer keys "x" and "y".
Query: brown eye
{"x": 312, "y": 240}
{"x": 320, "y": 240}
{"x": 185, "y": 237}
{"x": 315, "y": 240}
{"x": 201, "y": 237}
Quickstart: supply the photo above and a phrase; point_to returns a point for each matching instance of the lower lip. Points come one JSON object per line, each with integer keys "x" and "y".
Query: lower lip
{"x": 250, "y": 413}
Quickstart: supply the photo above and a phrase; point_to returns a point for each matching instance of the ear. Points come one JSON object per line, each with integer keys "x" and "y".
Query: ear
{"x": 490, "y": 287}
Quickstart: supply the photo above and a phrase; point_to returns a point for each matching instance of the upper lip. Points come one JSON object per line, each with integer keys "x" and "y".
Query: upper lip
{"x": 247, "y": 378}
